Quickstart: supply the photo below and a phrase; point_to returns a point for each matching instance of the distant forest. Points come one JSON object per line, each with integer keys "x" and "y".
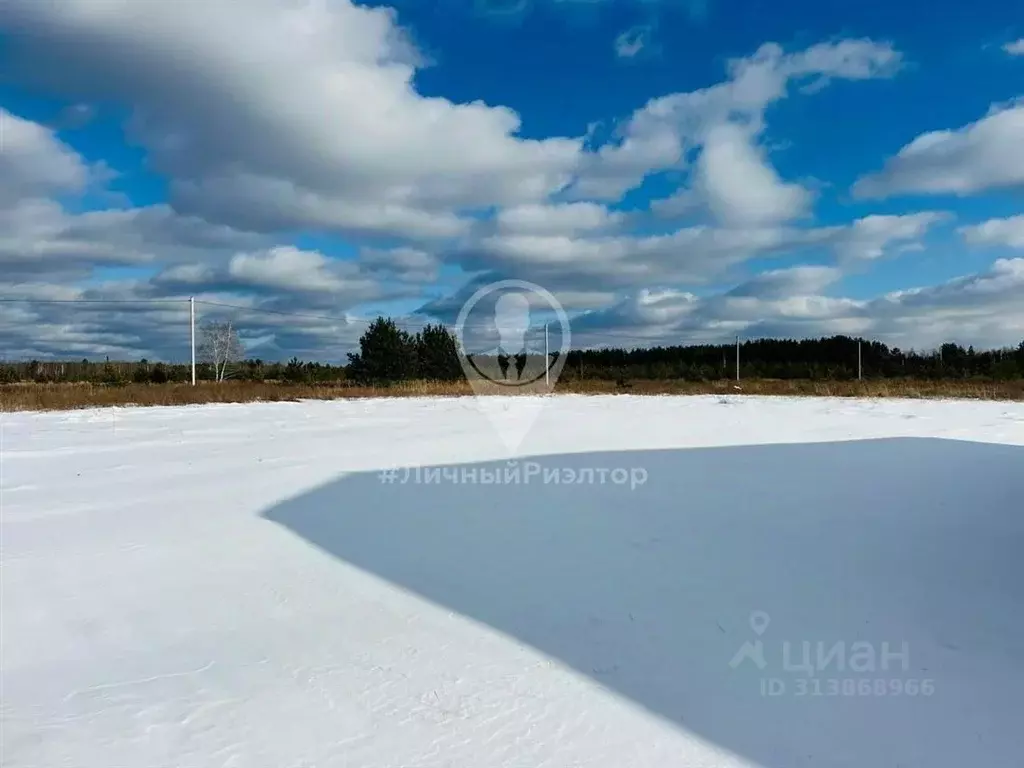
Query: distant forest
{"x": 388, "y": 354}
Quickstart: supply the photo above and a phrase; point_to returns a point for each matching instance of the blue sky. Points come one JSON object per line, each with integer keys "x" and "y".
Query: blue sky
{"x": 648, "y": 161}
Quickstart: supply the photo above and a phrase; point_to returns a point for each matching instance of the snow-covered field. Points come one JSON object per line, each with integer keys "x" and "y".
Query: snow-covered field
{"x": 757, "y": 582}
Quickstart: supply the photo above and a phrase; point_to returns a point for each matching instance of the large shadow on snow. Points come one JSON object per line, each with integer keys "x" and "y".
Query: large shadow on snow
{"x": 650, "y": 590}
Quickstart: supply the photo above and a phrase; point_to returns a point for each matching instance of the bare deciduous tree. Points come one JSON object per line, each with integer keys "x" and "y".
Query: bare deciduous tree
{"x": 220, "y": 346}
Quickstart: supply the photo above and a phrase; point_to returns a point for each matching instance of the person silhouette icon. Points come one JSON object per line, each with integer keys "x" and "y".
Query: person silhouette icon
{"x": 517, "y": 343}
{"x": 518, "y": 360}
{"x": 512, "y": 319}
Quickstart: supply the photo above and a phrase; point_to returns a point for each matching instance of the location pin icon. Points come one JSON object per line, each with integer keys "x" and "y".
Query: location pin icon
{"x": 759, "y": 622}
{"x": 516, "y": 358}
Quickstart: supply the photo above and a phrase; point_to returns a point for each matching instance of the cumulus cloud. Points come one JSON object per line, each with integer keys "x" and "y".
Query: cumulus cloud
{"x": 271, "y": 205}
{"x": 980, "y": 156}
{"x": 282, "y": 278}
{"x": 280, "y": 124}
{"x": 284, "y": 302}
{"x": 1015, "y": 48}
{"x": 274, "y": 145}
{"x": 739, "y": 186}
{"x": 697, "y": 254}
{"x": 690, "y": 255}
{"x": 1007, "y": 232}
{"x": 289, "y": 268}
{"x": 786, "y": 283}
{"x": 665, "y": 131}
{"x": 870, "y": 238}
{"x": 558, "y": 219}
{"x": 403, "y": 263}
{"x": 324, "y": 132}
{"x": 40, "y": 240}
{"x": 35, "y": 163}
{"x": 984, "y": 309}
{"x": 62, "y": 304}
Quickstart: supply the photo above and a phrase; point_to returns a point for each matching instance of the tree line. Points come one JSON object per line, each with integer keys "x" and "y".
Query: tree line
{"x": 389, "y": 354}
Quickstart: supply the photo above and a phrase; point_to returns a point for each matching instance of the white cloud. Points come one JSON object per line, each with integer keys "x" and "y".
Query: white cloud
{"x": 1002, "y": 283}
{"x": 869, "y": 238}
{"x": 187, "y": 275}
{"x": 844, "y": 59}
{"x": 1008, "y": 232}
{"x": 267, "y": 204}
{"x": 985, "y": 309}
{"x": 289, "y": 268}
{"x": 35, "y": 163}
{"x": 558, "y": 219}
{"x": 409, "y": 264}
{"x": 788, "y": 283}
{"x": 48, "y": 252}
{"x": 982, "y": 155}
{"x": 633, "y": 41}
{"x": 690, "y": 255}
{"x": 323, "y": 130}
{"x": 662, "y": 133}
{"x": 738, "y": 184}
{"x": 648, "y": 310}
{"x": 324, "y": 118}
{"x": 1015, "y": 48}
{"x": 39, "y": 239}
{"x": 694, "y": 254}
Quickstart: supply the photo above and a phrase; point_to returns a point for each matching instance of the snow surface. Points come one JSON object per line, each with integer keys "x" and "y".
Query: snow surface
{"x": 234, "y": 585}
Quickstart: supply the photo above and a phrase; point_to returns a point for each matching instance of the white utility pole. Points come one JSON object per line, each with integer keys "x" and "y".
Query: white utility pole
{"x": 547, "y": 358}
{"x": 192, "y": 328}
{"x": 737, "y": 358}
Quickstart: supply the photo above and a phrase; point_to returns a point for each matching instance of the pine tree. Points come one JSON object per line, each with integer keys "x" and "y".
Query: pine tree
{"x": 438, "y": 354}
{"x": 386, "y": 355}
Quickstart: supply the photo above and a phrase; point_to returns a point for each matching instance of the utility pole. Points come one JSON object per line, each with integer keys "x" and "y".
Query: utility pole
{"x": 737, "y": 357}
{"x": 860, "y": 366}
{"x": 192, "y": 328}
{"x": 547, "y": 357}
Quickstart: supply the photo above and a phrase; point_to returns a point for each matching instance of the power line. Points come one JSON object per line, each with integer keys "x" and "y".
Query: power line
{"x": 327, "y": 318}
{"x": 347, "y": 320}
{"x": 421, "y": 324}
{"x": 718, "y": 340}
{"x": 274, "y": 311}
{"x": 8, "y": 300}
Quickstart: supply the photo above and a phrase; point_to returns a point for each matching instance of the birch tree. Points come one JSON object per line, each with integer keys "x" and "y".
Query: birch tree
{"x": 220, "y": 346}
